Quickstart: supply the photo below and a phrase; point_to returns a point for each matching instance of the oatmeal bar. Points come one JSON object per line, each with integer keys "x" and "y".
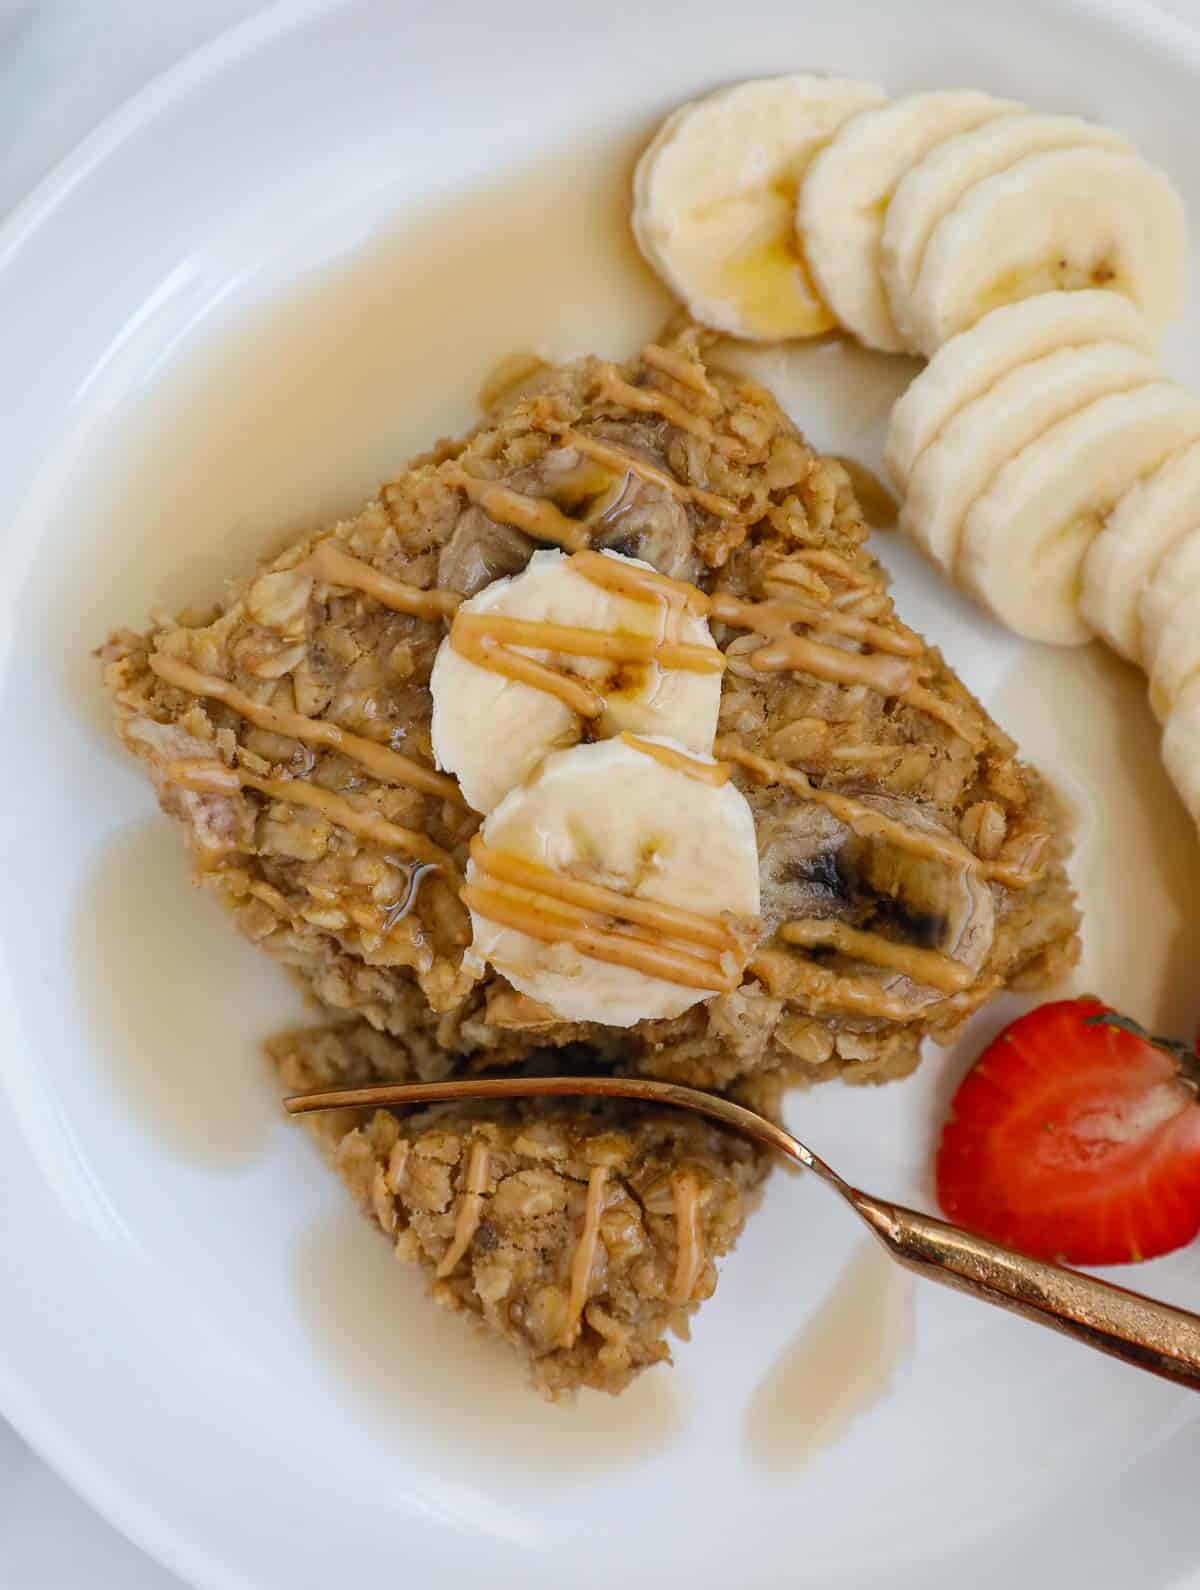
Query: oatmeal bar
{"x": 911, "y": 865}
{"x": 579, "y": 1232}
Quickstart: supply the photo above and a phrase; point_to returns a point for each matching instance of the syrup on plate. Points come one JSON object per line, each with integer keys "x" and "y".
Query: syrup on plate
{"x": 290, "y": 416}
{"x": 1082, "y": 717}
{"x": 406, "y": 1365}
{"x": 838, "y": 1365}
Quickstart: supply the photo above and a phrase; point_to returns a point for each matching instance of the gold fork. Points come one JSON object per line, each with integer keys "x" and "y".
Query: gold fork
{"x": 1136, "y": 1329}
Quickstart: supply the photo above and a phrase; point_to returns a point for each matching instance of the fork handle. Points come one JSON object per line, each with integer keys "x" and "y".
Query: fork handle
{"x": 1136, "y": 1329}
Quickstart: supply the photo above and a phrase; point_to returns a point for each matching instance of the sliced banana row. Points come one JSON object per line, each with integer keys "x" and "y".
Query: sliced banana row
{"x": 1009, "y": 337}
{"x": 964, "y": 459}
{"x": 1047, "y": 467}
{"x": 1034, "y": 259}
{"x": 1027, "y": 538}
{"x": 784, "y": 206}
{"x": 1049, "y": 480}
{"x": 1136, "y": 537}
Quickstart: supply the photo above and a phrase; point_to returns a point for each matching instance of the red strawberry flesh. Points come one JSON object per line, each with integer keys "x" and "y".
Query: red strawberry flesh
{"x": 1075, "y": 1138}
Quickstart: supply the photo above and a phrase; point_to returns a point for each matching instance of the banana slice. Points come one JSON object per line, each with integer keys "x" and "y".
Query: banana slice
{"x": 1176, "y": 660}
{"x": 714, "y": 201}
{"x": 1172, "y": 641}
{"x": 981, "y": 438}
{"x": 492, "y": 731}
{"x": 845, "y": 196}
{"x": 1143, "y": 527}
{"x": 1176, "y": 585}
{"x": 1070, "y": 218}
{"x": 1025, "y": 539}
{"x": 1181, "y": 747}
{"x": 932, "y": 188}
{"x": 975, "y": 360}
{"x": 638, "y": 880}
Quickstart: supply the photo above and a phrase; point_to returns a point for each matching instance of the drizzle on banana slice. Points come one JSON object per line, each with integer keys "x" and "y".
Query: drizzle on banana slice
{"x": 619, "y": 884}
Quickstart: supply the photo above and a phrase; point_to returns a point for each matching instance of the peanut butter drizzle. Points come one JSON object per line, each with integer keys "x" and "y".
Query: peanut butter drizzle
{"x": 782, "y": 649}
{"x": 714, "y": 773}
{"x": 671, "y": 921}
{"x": 862, "y": 601}
{"x": 649, "y": 400}
{"x": 856, "y": 996}
{"x": 585, "y": 1254}
{"x": 329, "y": 563}
{"x": 384, "y": 763}
{"x": 834, "y": 563}
{"x": 536, "y": 516}
{"x": 870, "y": 824}
{"x": 789, "y": 577}
{"x": 617, "y": 458}
{"x": 527, "y": 913}
{"x": 956, "y": 719}
{"x": 487, "y": 653}
{"x": 773, "y": 620}
{"x": 554, "y": 905}
{"x": 486, "y": 639}
{"x": 690, "y": 1258}
{"x": 928, "y": 967}
{"x": 214, "y": 778}
{"x": 897, "y": 640}
{"x": 684, "y": 370}
{"x": 574, "y": 641}
{"x": 862, "y": 820}
{"x": 470, "y": 1210}
{"x": 640, "y": 585}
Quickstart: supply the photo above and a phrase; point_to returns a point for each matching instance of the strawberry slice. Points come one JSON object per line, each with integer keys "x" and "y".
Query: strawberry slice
{"x": 1076, "y": 1136}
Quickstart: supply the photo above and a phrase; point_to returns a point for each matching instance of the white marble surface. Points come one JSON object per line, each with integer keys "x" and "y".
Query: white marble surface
{"x": 64, "y": 65}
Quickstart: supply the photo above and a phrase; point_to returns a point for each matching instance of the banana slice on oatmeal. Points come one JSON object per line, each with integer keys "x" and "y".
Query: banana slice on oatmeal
{"x": 619, "y": 884}
{"x": 534, "y": 661}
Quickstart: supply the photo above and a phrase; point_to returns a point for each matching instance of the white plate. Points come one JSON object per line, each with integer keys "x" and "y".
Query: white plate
{"x": 237, "y": 306}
